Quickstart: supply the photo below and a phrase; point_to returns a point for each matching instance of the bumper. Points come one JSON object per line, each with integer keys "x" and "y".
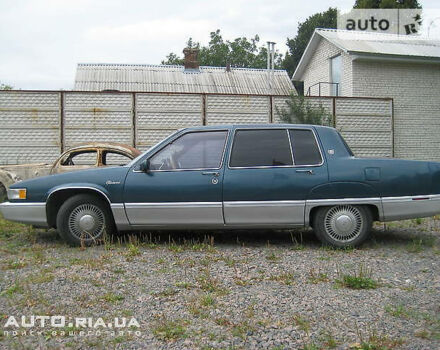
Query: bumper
{"x": 26, "y": 213}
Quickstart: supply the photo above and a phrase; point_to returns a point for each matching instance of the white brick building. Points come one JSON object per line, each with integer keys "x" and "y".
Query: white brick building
{"x": 406, "y": 69}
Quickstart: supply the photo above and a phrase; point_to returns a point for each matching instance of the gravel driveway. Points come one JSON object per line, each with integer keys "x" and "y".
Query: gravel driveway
{"x": 224, "y": 290}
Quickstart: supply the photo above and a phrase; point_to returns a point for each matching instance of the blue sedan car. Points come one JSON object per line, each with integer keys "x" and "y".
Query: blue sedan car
{"x": 227, "y": 177}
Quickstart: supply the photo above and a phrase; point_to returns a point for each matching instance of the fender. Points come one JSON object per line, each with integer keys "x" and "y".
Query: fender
{"x": 87, "y": 186}
{"x": 346, "y": 192}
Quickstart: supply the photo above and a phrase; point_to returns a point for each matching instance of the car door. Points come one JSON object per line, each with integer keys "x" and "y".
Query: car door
{"x": 270, "y": 174}
{"x": 183, "y": 185}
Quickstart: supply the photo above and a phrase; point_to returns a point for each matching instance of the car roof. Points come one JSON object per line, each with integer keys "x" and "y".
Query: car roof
{"x": 115, "y": 146}
{"x": 254, "y": 126}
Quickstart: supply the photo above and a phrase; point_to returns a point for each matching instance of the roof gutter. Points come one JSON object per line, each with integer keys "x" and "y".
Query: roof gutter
{"x": 364, "y": 56}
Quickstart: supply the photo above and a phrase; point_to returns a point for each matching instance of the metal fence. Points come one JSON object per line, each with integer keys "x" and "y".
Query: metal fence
{"x": 35, "y": 126}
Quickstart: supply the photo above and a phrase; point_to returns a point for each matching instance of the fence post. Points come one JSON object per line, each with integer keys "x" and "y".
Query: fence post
{"x": 393, "y": 147}
{"x": 271, "y": 109}
{"x": 203, "y": 109}
{"x": 61, "y": 121}
{"x": 334, "y": 112}
{"x": 133, "y": 118}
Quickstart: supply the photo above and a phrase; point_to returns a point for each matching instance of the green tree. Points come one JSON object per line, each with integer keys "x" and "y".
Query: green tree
{"x": 5, "y": 87}
{"x": 298, "y": 110}
{"x": 240, "y": 52}
{"x": 386, "y": 4}
{"x": 297, "y": 45}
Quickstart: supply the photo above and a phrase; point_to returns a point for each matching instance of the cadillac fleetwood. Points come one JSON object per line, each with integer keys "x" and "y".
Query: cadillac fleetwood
{"x": 277, "y": 176}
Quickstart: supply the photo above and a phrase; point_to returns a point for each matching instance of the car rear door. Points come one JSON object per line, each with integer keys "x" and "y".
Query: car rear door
{"x": 267, "y": 182}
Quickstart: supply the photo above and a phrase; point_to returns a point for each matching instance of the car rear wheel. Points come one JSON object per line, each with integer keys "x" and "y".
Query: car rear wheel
{"x": 342, "y": 225}
{"x": 84, "y": 220}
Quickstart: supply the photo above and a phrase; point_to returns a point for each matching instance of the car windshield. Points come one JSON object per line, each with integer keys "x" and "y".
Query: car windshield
{"x": 135, "y": 160}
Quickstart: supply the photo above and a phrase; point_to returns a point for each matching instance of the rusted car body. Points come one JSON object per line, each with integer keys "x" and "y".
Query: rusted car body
{"x": 80, "y": 157}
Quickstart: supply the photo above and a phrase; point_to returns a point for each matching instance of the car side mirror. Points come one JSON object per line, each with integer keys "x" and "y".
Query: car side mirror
{"x": 145, "y": 166}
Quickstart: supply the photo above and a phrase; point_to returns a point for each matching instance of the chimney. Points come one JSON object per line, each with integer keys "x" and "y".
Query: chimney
{"x": 190, "y": 60}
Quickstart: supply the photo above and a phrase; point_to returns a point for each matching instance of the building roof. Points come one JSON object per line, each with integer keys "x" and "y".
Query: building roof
{"x": 167, "y": 78}
{"x": 370, "y": 45}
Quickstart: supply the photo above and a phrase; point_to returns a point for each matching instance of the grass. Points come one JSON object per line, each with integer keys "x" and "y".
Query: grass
{"x": 360, "y": 279}
{"x": 14, "y": 265}
{"x": 166, "y": 293}
{"x": 133, "y": 250}
{"x": 242, "y": 329}
{"x": 184, "y": 285}
{"x": 170, "y": 330}
{"x": 316, "y": 276}
{"x": 328, "y": 340}
{"x": 209, "y": 284}
{"x": 16, "y": 288}
{"x": 285, "y": 278}
{"x": 302, "y": 323}
{"x": 372, "y": 340}
{"x": 272, "y": 257}
{"x": 398, "y": 311}
{"x": 207, "y": 300}
{"x": 417, "y": 245}
{"x": 112, "y": 298}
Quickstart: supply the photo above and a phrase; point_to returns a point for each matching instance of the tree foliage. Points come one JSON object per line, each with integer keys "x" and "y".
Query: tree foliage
{"x": 240, "y": 52}
{"x": 298, "y": 44}
{"x": 386, "y": 4}
{"x": 298, "y": 110}
{"x": 5, "y": 87}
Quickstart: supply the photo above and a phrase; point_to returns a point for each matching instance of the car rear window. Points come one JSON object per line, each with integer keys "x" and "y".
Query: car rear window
{"x": 304, "y": 146}
{"x": 261, "y": 148}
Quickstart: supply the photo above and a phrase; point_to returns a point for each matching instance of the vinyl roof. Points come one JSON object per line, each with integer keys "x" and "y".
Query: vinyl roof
{"x": 372, "y": 45}
{"x": 167, "y": 78}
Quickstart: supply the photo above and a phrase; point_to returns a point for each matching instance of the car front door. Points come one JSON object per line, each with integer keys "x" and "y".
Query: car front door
{"x": 269, "y": 176}
{"x": 183, "y": 185}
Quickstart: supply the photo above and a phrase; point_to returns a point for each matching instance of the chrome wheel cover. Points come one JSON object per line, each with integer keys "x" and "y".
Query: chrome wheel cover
{"x": 343, "y": 223}
{"x": 86, "y": 222}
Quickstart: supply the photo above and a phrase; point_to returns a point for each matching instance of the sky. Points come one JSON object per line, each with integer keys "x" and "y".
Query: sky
{"x": 41, "y": 41}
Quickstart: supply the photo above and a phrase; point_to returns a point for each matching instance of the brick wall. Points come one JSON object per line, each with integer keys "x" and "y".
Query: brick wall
{"x": 318, "y": 70}
{"x": 415, "y": 88}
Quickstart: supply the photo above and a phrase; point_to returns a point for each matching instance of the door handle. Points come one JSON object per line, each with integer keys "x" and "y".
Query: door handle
{"x": 310, "y": 172}
{"x": 211, "y": 173}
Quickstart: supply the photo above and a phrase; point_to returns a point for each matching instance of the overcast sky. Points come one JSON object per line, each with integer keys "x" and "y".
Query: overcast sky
{"x": 41, "y": 41}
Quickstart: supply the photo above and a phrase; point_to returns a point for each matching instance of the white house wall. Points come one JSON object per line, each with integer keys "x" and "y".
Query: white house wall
{"x": 318, "y": 70}
{"x": 415, "y": 89}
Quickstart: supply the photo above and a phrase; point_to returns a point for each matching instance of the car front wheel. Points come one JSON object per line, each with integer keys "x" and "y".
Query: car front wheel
{"x": 342, "y": 225}
{"x": 84, "y": 220}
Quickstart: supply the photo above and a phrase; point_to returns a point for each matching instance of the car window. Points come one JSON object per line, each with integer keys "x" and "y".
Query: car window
{"x": 197, "y": 150}
{"x": 304, "y": 146}
{"x": 80, "y": 158}
{"x": 261, "y": 148}
{"x": 114, "y": 158}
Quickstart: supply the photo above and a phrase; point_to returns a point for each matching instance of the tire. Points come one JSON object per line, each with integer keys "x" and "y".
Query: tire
{"x": 3, "y": 193}
{"x": 84, "y": 219}
{"x": 342, "y": 225}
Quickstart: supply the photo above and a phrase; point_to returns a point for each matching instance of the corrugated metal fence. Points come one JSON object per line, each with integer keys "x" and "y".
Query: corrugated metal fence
{"x": 35, "y": 126}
